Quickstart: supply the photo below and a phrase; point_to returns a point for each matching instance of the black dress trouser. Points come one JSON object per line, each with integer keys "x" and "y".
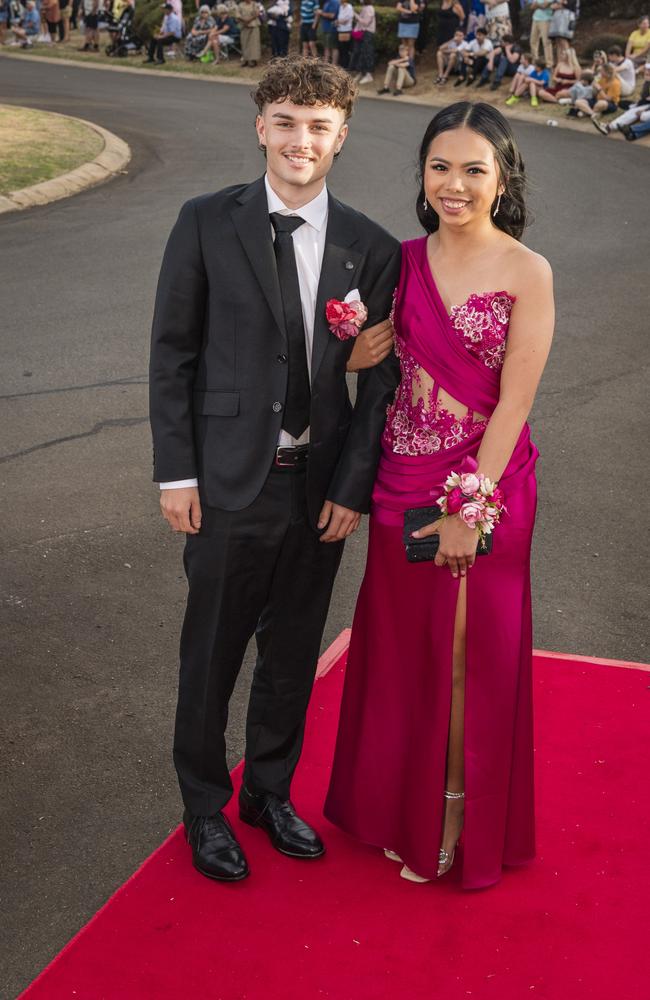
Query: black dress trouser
{"x": 262, "y": 571}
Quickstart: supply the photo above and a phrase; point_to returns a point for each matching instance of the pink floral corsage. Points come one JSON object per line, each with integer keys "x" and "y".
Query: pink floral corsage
{"x": 476, "y": 499}
{"x": 345, "y": 319}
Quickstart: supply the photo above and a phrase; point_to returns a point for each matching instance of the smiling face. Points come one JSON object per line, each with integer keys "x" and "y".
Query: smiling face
{"x": 301, "y": 143}
{"x": 461, "y": 177}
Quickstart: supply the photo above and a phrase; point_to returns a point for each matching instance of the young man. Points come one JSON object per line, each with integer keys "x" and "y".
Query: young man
{"x": 475, "y": 58}
{"x": 505, "y": 57}
{"x": 262, "y": 460}
{"x": 625, "y": 70}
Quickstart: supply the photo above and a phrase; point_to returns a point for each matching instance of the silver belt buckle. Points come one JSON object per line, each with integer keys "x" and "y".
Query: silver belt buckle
{"x": 278, "y": 458}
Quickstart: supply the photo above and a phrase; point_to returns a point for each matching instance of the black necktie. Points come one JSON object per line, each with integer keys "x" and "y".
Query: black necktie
{"x": 296, "y": 408}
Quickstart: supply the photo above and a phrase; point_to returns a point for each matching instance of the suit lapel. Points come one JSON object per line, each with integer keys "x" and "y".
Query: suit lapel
{"x": 337, "y": 276}
{"x": 251, "y": 220}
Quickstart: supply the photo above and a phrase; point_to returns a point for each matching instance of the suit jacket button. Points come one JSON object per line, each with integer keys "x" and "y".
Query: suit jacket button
{"x": 281, "y": 359}
{"x": 277, "y": 406}
{"x": 349, "y": 265}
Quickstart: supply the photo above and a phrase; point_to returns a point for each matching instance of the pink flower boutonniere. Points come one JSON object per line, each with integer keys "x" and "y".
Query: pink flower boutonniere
{"x": 345, "y": 319}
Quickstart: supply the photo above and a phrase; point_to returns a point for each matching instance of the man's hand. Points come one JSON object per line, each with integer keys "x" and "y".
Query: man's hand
{"x": 371, "y": 346}
{"x": 339, "y": 521}
{"x": 182, "y": 509}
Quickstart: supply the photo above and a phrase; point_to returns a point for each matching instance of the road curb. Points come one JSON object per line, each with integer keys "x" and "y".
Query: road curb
{"x": 112, "y": 160}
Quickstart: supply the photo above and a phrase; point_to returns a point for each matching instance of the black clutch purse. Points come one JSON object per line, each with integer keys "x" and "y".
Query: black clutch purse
{"x": 425, "y": 549}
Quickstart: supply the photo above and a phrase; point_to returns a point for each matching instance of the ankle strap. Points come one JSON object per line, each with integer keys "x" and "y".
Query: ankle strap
{"x": 454, "y": 795}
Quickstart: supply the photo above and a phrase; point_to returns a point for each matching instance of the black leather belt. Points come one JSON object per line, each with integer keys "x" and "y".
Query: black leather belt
{"x": 289, "y": 458}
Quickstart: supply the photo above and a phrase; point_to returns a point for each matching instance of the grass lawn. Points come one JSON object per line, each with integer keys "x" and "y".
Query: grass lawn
{"x": 36, "y": 146}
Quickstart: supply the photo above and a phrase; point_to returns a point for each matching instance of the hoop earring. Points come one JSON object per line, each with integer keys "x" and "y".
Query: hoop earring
{"x": 494, "y": 214}
{"x": 425, "y": 204}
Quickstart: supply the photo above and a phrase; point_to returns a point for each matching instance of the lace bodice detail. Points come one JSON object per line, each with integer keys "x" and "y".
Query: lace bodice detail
{"x": 417, "y": 422}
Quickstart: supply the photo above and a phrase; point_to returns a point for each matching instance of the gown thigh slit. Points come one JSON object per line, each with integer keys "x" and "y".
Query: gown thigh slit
{"x": 390, "y": 763}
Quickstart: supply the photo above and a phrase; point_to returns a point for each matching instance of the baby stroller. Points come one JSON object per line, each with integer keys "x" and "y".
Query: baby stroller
{"x": 123, "y": 37}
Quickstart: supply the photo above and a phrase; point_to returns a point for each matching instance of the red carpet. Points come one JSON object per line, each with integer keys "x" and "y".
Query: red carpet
{"x": 572, "y": 925}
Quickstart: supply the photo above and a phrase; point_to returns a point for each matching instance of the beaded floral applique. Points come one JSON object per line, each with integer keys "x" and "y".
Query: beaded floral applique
{"x": 417, "y": 423}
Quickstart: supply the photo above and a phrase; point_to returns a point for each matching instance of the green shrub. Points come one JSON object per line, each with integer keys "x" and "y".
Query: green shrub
{"x": 149, "y": 15}
{"x": 603, "y": 42}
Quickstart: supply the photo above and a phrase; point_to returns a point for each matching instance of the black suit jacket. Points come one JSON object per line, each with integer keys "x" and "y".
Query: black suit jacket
{"x": 217, "y": 372}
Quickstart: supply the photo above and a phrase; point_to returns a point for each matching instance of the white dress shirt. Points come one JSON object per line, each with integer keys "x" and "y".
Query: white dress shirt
{"x": 309, "y": 246}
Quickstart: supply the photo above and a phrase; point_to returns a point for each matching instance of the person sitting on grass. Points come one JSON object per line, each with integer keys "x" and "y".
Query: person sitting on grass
{"x": 599, "y": 59}
{"x": 637, "y": 131}
{"x": 400, "y": 72}
{"x": 638, "y": 112}
{"x": 535, "y": 79}
{"x": 524, "y": 69}
{"x": 607, "y": 94}
{"x": 226, "y": 30}
{"x": 583, "y": 90}
{"x": 196, "y": 42}
{"x": 475, "y": 58}
{"x": 171, "y": 31}
{"x": 448, "y": 56}
{"x": 28, "y": 27}
{"x": 638, "y": 44}
{"x": 566, "y": 71}
{"x": 506, "y": 56}
{"x": 625, "y": 70}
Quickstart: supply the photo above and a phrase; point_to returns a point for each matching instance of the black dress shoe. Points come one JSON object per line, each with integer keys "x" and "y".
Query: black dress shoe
{"x": 215, "y": 850}
{"x": 288, "y": 833}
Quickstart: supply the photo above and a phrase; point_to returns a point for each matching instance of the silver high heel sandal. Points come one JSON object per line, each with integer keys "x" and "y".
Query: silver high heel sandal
{"x": 445, "y": 860}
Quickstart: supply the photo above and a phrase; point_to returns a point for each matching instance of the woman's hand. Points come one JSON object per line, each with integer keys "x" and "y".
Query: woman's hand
{"x": 457, "y": 546}
{"x": 371, "y": 346}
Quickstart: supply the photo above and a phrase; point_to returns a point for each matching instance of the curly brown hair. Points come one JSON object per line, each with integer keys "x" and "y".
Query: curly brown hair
{"x": 307, "y": 81}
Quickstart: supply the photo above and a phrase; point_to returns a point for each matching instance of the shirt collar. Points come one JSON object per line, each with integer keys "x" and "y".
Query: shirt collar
{"x": 314, "y": 212}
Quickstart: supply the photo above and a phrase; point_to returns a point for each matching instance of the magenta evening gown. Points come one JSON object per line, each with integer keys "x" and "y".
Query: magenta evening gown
{"x": 388, "y": 774}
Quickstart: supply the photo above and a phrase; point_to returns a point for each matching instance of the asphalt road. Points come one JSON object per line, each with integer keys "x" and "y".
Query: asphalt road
{"x": 92, "y": 586}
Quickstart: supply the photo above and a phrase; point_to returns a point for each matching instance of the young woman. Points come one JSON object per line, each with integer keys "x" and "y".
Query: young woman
{"x": 435, "y": 733}
{"x": 344, "y": 22}
{"x": 409, "y": 15}
{"x": 566, "y": 72}
{"x": 362, "y": 60}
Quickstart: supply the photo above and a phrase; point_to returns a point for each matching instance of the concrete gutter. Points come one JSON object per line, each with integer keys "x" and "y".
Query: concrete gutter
{"x": 112, "y": 160}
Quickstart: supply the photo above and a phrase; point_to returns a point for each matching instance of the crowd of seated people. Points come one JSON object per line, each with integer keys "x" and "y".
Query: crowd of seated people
{"x": 475, "y": 45}
{"x": 480, "y": 50}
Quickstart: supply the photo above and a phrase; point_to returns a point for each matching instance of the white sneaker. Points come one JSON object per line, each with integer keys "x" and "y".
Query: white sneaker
{"x": 564, "y": 100}
{"x": 366, "y": 78}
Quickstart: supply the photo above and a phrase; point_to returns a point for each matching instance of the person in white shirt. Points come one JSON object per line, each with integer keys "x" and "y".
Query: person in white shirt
{"x": 449, "y": 55}
{"x": 263, "y": 462}
{"x": 625, "y": 70}
{"x": 475, "y": 58}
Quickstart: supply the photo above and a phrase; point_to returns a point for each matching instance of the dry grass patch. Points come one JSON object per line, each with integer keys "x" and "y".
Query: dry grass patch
{"x": 37, "y": 146}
